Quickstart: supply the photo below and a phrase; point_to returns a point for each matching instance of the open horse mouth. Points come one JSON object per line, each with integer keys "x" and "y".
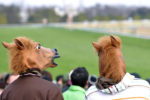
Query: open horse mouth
{"x": 55, "y": 56}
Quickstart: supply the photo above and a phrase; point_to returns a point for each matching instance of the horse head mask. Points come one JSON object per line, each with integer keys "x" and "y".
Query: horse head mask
{"x": 111, "y": 62}
{"x": 25, "y": 54}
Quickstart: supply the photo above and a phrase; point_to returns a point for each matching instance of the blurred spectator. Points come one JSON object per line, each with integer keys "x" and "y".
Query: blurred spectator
{"x": 6, "y": 79}
{"x": 59, "y": 81}
{"x": 2, "y": 85}
{"x": 148, "y": 80}
{"x": 66, "y": 84}
{"x": 45, "y": 21}
{"x": 136, "y": 75}
{"x": 76, "y": 91}
{"x": 12, "y": 78}
{"x": 0, "y": 76}
{"x": 1, "y": 90}
{"x": 47, "y": 76}
{"x": 92, "y": 80}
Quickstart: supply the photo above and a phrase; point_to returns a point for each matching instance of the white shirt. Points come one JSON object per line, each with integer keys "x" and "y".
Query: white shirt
{"x": 129, "y": 88}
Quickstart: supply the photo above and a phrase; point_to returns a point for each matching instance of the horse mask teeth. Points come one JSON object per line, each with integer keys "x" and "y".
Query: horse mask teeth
{"x": 55, "y": 56}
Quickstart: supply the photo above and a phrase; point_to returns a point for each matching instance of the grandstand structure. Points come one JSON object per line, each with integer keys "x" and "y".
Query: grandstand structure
{"x": 131, "y": 28}
{"x": 137, "y": 28}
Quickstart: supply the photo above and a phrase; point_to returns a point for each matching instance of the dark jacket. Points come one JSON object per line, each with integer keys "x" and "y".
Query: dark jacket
{"x": 31, "y": 88}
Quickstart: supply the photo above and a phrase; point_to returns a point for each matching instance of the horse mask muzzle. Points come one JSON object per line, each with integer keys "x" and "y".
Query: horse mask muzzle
{"x": 56, "y": 55}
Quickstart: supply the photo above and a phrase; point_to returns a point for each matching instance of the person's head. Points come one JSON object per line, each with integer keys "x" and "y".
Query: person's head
{"x": 148, "y": 80}
{"x": 59, "y": 79}
{"x": 27, "y": 54}
{"x": 7, "y": 79}
{"x": 65, "y": 78}
{"x": 111, "y": 61}
{"x": 79, "y": 77}
{"x": 12, "y": 78}
{"x": 92, "y": 79}
{"x": 4, "y": 80}
{"x": 136, "y": 75}
{"x": 47, "y": 75}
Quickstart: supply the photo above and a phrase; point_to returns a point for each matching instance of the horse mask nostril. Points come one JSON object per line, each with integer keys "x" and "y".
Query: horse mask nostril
{"x": 55, "y": 56}
{"x": 55, "y": 51}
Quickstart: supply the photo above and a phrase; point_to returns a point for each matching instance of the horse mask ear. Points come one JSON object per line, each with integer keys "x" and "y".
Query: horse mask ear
{"x": 114, "y": 42}
{"x": 96, "y": 46}
{"x": 6, "y": 45}
{"x": 19, "y": 44}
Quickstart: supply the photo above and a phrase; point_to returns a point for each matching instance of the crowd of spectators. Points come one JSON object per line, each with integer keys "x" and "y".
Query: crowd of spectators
{"x": 73, "y": 84}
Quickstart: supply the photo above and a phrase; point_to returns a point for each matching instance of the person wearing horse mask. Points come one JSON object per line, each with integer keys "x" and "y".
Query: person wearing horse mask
{"x": 28, "y": 59}
{"x": 114, "y": 82}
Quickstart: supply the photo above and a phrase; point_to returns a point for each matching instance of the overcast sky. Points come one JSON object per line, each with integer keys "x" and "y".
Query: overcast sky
{"x": 76, "y": 3}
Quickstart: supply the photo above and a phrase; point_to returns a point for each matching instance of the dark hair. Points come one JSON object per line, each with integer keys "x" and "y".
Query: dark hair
{"x": 136, "y": 75}
{"x": 47, "y": 75}
{"x": 92, "y": 79}
{"x": 3, "y": 81}
{"x": 59, "y": 77}
{"x": 148, "y": 80}
{"x": 79, "y": 76}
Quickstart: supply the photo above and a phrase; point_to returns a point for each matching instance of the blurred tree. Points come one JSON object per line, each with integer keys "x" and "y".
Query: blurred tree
{"x": 63, "y": 19}
{"x": 36, "y": 15}
{"x": 3, "y": 19}
{"x": 122, "y": 17}
{"x": 143, "y": 12}
{"x": 52, "y": 17}
{"x": 80, "y": 17}
{"x": 12, "y": 13}
{"x": 148, "y": 16}
{"x": 137, "y": 17}
{"x": 106, "y": 18}
{"x": 9, "y": 14}
{"x": 99, "y": 18}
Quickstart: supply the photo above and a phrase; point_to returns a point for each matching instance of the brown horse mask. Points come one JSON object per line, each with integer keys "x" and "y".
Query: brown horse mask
{"x": 111, "y": 63}
{"x": 25, "y": 54}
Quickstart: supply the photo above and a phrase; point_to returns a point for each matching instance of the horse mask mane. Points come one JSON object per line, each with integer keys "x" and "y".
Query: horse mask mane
{"x": 26, "y": 54}
{"x": 111, "y": 63}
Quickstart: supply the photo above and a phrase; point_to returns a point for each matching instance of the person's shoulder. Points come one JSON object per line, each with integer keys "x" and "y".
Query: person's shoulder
{"x": 43, "y": 81}
{"x": 49, "y": 84}
{"x": 65, "y": 94}
{"x": 91, "y": 90}
{"x": 68, "y": 92}
{"x": 139, "y": 82}
{"x": 45, "y": 84}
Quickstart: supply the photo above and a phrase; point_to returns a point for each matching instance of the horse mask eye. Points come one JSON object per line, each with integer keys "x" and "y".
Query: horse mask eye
{"x": 38, "y": 46}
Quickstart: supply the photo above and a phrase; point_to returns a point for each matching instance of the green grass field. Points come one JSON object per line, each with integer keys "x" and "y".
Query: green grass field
{"x": 76, "y": 49}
